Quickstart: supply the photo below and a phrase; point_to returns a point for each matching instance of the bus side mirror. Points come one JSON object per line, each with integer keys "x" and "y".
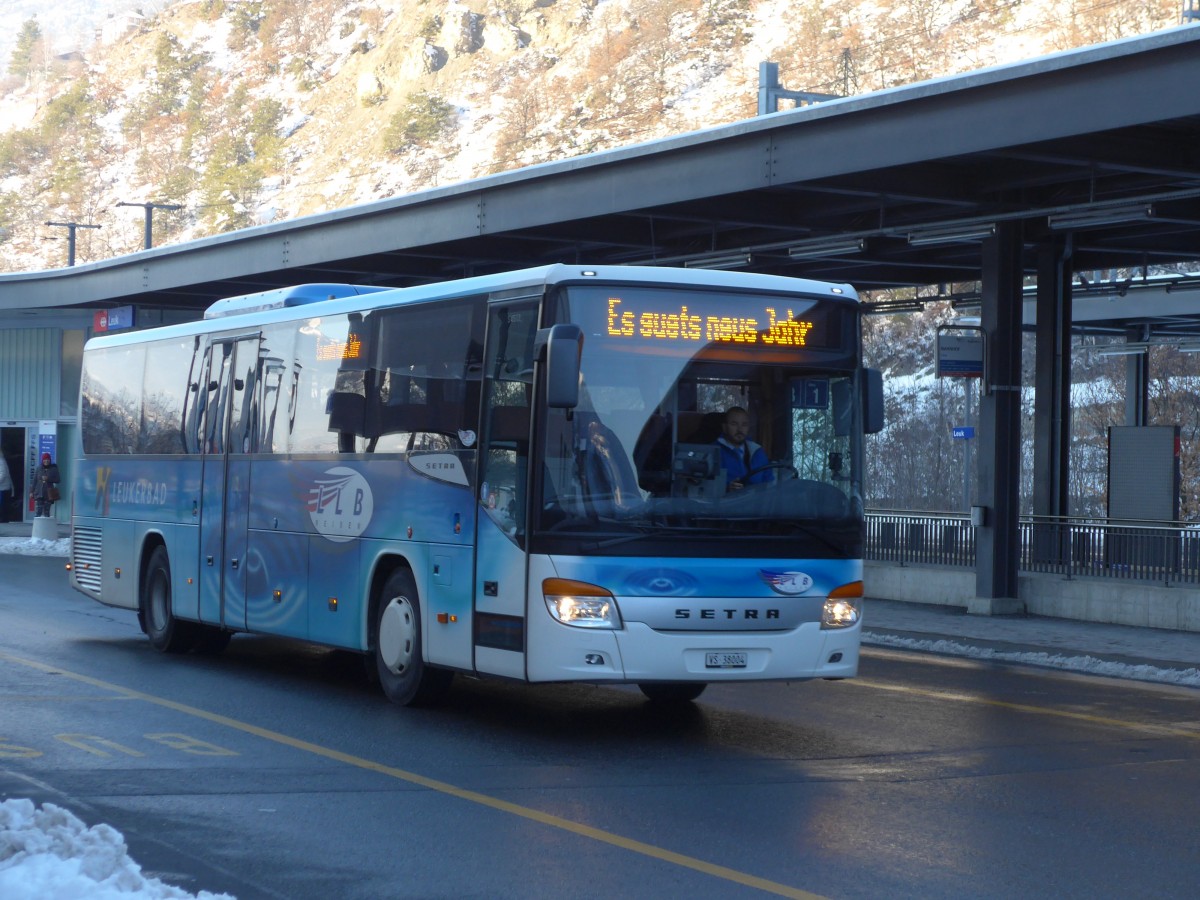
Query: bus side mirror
{"x": 563, "y": 346}
{"x": 872, "y": 401}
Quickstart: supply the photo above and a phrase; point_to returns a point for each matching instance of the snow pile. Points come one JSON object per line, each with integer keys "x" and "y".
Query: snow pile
{"x": 35, "y": 547}
{"x": 49, "y": 854}
{"x": 1088, "y": 664}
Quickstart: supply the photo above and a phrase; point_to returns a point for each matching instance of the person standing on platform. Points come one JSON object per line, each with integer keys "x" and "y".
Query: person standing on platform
{"x": 45, "y": 486}
{"x": 6, "y": 486}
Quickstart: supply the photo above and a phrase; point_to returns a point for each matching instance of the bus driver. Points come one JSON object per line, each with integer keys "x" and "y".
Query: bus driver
{"x": 740, "y": 456}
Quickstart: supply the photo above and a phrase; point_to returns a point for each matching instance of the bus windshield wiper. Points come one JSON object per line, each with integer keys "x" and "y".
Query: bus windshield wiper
{"x": 813, "y": 532}
{"x": 662, "y": 531}
{"x": 642, "y": 532}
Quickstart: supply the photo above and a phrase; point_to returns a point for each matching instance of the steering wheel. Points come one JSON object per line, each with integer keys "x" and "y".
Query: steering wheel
{"x": 768, "y": 466}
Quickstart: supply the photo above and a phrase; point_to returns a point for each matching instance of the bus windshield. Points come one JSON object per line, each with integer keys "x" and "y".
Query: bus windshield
{"x": 707, "y": 422}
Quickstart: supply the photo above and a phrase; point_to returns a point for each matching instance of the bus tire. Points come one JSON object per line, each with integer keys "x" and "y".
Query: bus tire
{"x": 401, "y": 669}
{"x": 167, "y": 634}
{"x": 672, "y": 692}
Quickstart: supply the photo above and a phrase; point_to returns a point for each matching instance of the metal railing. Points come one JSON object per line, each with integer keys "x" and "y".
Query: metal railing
{"x": 940, "y": 539}
{"x": 1162, "y": 552}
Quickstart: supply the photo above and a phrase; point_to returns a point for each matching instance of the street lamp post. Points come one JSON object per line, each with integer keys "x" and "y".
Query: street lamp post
{"x": 71, "y": 226}
{"x": 150, "y": 207}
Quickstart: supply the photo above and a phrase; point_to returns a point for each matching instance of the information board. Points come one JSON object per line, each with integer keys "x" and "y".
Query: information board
{"x": 960, "y": 355}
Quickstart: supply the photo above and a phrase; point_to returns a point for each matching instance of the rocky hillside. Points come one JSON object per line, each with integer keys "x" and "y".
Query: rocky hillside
{"x": 248, "y": 111}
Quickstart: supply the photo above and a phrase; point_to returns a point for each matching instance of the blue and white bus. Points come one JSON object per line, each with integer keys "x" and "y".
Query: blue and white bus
{"x": 510, "y": 476}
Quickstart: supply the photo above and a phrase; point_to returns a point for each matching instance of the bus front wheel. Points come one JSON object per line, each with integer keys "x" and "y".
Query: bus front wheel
{"x": 166, "y": 633}
{"x": 672, "y": 692}
{"x": 402, "y": 672}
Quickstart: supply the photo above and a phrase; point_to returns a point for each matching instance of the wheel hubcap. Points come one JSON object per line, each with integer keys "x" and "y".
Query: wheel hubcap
{"x": 397, "y": 635}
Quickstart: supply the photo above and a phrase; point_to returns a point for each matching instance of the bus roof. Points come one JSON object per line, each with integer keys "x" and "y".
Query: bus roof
{"x": 300, "y": 301}
{"x": 281, "y": 298}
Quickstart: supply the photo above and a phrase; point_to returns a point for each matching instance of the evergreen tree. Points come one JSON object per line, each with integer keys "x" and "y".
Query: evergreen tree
{"x": 425, "y": 119}
{"x": 21, "y": 62}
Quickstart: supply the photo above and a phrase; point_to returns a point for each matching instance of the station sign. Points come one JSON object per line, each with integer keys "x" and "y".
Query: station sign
{"x": 48, "y": 439}
{"x": 112, "y": 319}
{"x": 963, "y": 432}
{"x": 960, "y": 355}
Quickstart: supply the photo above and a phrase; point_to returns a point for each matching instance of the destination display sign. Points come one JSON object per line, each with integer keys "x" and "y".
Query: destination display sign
{"x": 771, "y": 327}
{"x": 711, "y": 326}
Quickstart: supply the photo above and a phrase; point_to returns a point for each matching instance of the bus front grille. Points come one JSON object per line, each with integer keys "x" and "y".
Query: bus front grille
{"x": 85, "y": 558}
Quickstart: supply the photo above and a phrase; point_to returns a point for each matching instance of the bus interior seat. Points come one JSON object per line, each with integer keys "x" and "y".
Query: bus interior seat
{"x": 611, "y": 482}
{"x": 510, "y": 424}
{"x": 700, "y": 428}
{"x": 652, "y": 454}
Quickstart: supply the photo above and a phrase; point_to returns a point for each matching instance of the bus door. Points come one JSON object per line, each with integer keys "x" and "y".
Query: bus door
{"x": 227, "y": 431}
{"x": 500, "y": 567}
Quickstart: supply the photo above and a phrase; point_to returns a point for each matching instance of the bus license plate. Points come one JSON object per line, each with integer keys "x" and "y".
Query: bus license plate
{"x": 724, "y": 659}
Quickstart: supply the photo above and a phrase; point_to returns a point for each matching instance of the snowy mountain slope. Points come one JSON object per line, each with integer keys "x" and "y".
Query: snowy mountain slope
{"x": 247, "y": 111}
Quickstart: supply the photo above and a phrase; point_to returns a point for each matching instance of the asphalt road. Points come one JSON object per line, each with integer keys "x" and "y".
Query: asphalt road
{"x": 275, "y": 771}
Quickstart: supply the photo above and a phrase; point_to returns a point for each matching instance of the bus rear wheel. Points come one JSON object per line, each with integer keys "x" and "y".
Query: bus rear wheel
{"x": 402, "y": 672}
{"x": 166, "y": 633}
{"x": 672, "y": 692}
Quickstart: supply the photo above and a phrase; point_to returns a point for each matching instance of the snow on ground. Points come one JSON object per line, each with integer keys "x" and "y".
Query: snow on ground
{"x": 1088, "y": 664}
{"x": 35, "y": 547}
{"x": 47, "y": 853}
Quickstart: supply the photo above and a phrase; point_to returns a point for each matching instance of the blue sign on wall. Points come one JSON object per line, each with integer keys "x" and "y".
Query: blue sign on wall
{"x": 120, "y": 317}
{"x": 963, "y": 432}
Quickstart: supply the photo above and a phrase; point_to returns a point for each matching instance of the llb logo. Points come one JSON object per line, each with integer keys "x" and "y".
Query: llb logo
{"x": 787, "y": 583}
{"x": 340, "y": 504}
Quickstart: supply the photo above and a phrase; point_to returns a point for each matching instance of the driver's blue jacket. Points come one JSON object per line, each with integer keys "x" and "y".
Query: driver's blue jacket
{"x": 737, "y": 462}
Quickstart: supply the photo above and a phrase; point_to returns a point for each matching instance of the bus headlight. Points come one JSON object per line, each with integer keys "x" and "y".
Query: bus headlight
{"x": 581, "y": 604}
{"x": 843, "y": 606}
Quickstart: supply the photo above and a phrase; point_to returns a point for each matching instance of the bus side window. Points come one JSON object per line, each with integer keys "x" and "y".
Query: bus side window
{"x": 163, "y": 393}
{"x": 244, "y": 397}
{"x": 425, "y": 376}
{"x": 193, "y": 398}
{"x": 321, "y": 345}
{"x": 114, "y": 410}
{"x": 508, "y": 449}
{"x": 509, "y": 372}
{"x": 275, "y": 389}
{"x": 214, "y": 387}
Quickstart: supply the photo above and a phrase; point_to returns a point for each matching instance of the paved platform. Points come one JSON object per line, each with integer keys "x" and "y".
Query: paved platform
{"x": 25, "y": 529}
{"x": 1149, "y": 654}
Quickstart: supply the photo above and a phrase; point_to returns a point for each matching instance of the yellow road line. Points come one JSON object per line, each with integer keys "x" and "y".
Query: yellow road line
{"x": 607, "y": 837}
{"x": 959, "y": 697}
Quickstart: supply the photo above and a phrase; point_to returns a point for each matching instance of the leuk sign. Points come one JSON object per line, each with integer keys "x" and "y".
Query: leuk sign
{"x": 112, "y": 319}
